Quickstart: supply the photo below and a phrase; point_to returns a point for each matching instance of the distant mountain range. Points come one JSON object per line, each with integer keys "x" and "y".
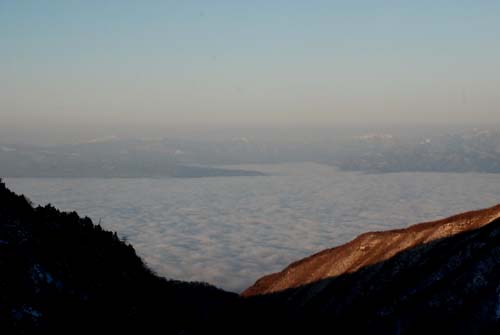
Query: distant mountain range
{"x": 475, "y": 150}
{"x": 106, "y": 158}
{"x": 63, "y": 274}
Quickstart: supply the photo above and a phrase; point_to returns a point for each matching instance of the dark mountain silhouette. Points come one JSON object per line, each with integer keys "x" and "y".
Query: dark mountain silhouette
{"x": 62, "y": 274}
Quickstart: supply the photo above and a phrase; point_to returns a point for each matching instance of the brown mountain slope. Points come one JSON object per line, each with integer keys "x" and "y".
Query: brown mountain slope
{"x": 367, "y": 249}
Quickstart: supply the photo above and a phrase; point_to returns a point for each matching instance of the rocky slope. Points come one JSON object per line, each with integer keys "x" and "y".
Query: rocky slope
{"x": 440, "y": 278}
{"x": 367, "y": 249}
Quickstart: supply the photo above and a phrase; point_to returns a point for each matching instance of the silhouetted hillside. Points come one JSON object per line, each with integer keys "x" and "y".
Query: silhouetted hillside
{"x": 62, "y": 273}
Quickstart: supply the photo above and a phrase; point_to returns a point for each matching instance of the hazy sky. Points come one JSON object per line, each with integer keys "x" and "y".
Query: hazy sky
{"x": 224, "y": 63}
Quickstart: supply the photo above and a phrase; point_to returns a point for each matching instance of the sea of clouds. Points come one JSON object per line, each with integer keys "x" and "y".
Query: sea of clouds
{"x": 229, "y": 231}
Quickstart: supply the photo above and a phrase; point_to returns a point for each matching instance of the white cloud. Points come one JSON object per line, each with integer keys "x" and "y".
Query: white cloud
{"x": 231, "y": 231}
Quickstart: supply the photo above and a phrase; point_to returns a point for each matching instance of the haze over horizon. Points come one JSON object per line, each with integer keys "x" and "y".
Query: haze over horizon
{"x": 72, "y": 67}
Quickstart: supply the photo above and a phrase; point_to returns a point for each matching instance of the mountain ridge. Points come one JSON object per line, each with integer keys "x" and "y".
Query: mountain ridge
{"x": 446, "y": 286}
{"x": 352, "y": 256}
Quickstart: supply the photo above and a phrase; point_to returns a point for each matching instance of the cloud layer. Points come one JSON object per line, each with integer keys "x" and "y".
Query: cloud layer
{"x": 229, "y": 231}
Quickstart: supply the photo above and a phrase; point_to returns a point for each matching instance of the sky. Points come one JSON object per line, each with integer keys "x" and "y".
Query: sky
{"x": 80, "y": 65}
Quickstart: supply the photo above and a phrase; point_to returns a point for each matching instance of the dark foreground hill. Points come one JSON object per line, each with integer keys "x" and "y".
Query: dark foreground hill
{"x": 62, "y": 274}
